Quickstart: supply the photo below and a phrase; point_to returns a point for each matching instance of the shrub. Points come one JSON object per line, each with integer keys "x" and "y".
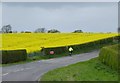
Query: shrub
{"x": 10, "y": 56}
{"x": 109, "y": 56}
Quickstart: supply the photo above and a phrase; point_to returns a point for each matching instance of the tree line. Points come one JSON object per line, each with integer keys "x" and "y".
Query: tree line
{"x": 8, "y": 29}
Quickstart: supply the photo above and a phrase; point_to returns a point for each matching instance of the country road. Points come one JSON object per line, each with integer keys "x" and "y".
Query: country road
{"x": 33, "y": 70}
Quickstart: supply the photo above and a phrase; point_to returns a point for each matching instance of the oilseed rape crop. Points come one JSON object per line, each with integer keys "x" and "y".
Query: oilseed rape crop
{"x": 34, "y": 41}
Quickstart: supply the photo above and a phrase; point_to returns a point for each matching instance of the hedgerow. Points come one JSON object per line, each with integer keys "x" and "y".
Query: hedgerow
{"x": 109, "y": 55}
{"x": 10, "y": 56}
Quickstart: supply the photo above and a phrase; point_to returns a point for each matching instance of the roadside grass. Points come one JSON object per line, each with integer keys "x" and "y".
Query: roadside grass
{"x": 91, "y": 70}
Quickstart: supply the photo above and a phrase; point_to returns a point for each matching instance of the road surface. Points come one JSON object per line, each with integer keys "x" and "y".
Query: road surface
{"x": 34, "y": 70}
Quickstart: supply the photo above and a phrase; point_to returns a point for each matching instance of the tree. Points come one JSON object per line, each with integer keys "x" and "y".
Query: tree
{"x": 40, "y": 30}
{"x": 22, "y": 32}
{"x": 27, "y": 32}
{"x": 53, "y": 31}
{"x": 78, "y": 31}
{"x": 6, "y": 29}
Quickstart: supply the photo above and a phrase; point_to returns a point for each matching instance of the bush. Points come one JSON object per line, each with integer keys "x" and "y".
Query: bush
{"x": 109, "y": 56}
{"x": 10, "y": 56}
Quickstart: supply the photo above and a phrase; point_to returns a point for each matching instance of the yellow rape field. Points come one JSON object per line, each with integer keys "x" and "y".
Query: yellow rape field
{"x": 34, "y": 41}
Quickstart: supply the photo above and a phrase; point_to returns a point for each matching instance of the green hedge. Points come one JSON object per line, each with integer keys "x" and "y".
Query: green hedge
{"x": 10, "y": 56}
{"x": 80, "y": 47}
{"x": 109, "y": 56}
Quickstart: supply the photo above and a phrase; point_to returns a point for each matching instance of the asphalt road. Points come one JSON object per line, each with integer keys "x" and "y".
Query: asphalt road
{"x": 34, "y": 70}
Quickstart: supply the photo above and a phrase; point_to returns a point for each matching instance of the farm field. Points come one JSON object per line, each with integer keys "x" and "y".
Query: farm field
{"x": 34, "y": 41}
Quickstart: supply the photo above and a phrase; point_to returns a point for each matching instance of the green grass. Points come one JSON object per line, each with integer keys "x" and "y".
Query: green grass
{"x": 92, "y": 70}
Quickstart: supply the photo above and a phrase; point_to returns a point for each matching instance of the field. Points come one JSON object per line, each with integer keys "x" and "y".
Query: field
{"x": 34, "y": 41}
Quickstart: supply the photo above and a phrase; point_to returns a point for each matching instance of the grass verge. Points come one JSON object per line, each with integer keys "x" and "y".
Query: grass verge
{"x": 91, "y": 70}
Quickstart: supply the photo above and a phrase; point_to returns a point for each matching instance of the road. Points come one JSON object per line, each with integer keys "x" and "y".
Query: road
{"x": 34, "y": 70}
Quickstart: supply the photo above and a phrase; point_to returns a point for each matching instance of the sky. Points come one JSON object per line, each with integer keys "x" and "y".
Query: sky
{"x": 60, "y": 0}
{"x": 63, "y": 16}
{"x": 0, "y": 15}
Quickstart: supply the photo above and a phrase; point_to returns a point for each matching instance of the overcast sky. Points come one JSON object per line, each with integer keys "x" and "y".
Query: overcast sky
{"x": 66, "y": 17}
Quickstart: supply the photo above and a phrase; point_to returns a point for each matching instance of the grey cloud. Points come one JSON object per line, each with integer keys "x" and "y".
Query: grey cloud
{"x": 96, "y": 17}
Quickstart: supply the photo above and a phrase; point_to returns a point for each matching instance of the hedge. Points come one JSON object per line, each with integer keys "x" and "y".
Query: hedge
{"x": 79, "y": 47}
{"x": 10, "y": 56}
{"x": 109, "y": 56}
{"x": 57, "y": 50}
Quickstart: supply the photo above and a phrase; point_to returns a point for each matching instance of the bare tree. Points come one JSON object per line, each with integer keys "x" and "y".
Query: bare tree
{"x": 6, "y": 29}
{"x": 40, "y": 30}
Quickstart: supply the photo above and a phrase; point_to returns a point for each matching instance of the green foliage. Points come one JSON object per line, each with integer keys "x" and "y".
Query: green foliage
{"x": 10, "y": 56}
{"x": 109, "y": 56}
